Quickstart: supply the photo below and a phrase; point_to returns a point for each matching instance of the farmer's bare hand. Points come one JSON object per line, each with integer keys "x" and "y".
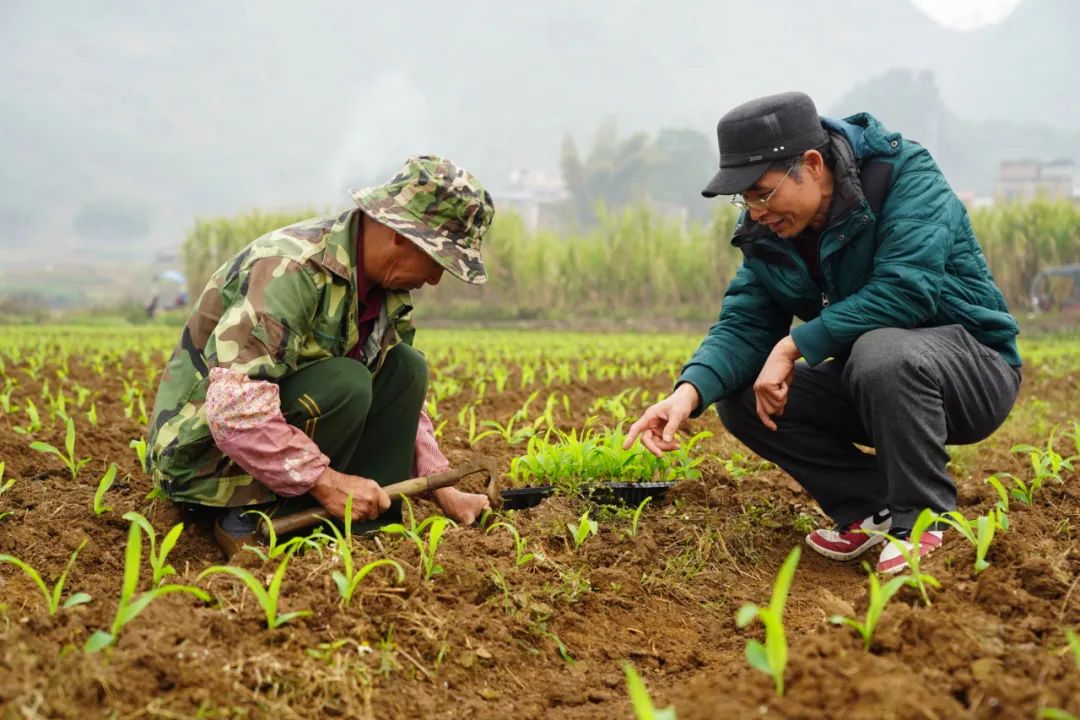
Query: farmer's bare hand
{"x": 461, "y": 507}
{"x": 332, "y": 489}
{"x": 657, "y": 425}
{"x": 774, "y": 381}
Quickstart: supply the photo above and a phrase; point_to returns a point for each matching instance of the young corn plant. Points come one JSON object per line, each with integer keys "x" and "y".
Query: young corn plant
{"x": 582, "y": 529}
{"x": 267, "y": 597}
{"x": 73, "y": 464}
{"x": 159, "y": 556}
{"x": 274, "y": 549}
{"x": 51, "y": 595}
{"x": 139, "y": 446}
{"x": 523, "y": 556}
{"x": 635, "y": 517}
{"x": 91, "y": 414}
{"x": 4, "y": 487}
{"x": 350, "y": 579}
{"x": 130, "y": 605}
{"x": 980, "y": 533}
{"x": 104, "y": 484}
{"x": 771, "y": 658}
{"x": 1024, "y": 492}
{"x": 640, "y": 699}
{"x": 5, "y": 396}
{"x": 880, "y": 595}
{"x": 912, "y": 555}
{"x": 1001, "y": 508}
{"x": 435, "y": 525}
{"x": 34, "y": 418}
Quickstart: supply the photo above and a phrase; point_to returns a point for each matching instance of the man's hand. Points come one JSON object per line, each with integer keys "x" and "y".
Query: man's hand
{"x": 657, "y": 425}
{"x": 462, "y": 508}
{"x": 774, "y": 381}
{"x": 333, "y": 488}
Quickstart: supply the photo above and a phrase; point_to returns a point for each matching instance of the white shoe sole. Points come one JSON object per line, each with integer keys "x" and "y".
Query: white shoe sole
{"x": 836, "y": 555}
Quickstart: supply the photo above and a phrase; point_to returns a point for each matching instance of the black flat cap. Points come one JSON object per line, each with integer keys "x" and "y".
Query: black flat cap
{"x": 756, "y": 134}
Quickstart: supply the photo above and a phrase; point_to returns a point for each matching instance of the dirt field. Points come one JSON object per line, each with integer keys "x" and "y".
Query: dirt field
{"x": 488, "y": 639}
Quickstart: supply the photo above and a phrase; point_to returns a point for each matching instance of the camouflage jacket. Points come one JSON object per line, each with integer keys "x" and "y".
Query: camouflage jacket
{"x": 285, "y": 301}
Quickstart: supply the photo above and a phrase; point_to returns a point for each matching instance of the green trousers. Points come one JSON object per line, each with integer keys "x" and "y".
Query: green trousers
{"x": 366, "y": 424}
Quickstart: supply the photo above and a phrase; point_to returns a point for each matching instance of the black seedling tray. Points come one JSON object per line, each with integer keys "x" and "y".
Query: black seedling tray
{"x": 608, "y": 493}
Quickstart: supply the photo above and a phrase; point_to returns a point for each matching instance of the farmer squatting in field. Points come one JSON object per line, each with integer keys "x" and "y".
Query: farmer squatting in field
{"x": 908, "y": 343}
{"x": 295, "y": 374}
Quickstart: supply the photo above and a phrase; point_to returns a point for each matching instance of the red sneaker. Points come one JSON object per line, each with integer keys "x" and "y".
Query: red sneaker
{"x": 892, "y": 560}
{"x": 846, "y": 543}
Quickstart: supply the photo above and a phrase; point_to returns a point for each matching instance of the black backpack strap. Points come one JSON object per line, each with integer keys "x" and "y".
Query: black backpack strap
{"x": 876, "y": 179}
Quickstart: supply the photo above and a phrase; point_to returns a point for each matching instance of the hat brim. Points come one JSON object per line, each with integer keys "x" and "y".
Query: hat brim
{"x": 734, "y": 180}
{"x": 462, "y": 262}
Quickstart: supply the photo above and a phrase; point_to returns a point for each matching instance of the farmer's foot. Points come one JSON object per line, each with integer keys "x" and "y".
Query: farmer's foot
{"x": 233, "y": 530}
{"x": 851, "y": 541}
{"x": 892, "y": 560}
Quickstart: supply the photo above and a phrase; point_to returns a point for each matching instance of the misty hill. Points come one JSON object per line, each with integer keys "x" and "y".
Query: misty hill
{"x": 124, "y": 120}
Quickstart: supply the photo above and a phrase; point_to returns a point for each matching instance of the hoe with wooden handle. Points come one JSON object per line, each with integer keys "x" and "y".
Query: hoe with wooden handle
{"x": 313, "y": 516}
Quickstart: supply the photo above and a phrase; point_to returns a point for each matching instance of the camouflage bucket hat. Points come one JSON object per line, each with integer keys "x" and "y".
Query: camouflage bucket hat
{"x": 440, "y": 207}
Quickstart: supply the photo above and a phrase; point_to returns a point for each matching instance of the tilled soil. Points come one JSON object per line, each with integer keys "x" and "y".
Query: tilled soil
{"x": 487, "y": 638}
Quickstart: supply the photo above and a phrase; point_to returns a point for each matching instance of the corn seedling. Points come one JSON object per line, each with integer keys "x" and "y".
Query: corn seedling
{"x": 91, "y": 415}
{"x": 350, "y": 579}
{"x": 879, "y": 597}
{"x": 139, "y": 446}
{"x": 130, "y": 606}
{"x": 582, "y": 529}
{"x": 640, "y": 699}
{"x": 73, "y": 465}
{"x": 1001, "y": 509}
{"x": 1046, "y": 462}
{"x": 267, "y": 597}
{"x": 5, "y": 396}
{"x": 52, "y": 596}
{"x": 34, "y": 423}
{"x": 1055, "y": 714}
{"x": 435, "y": 525}
{"x": 4, "y": 487}
{"x": 980, "y": 533}
{"x": 274, "y": 549}
{"x": 771, "y": 658}
{"x": 912, "y": 553}
{"x": 522, "y": 556}
{"x": 635, "y": 517}
{"x": 158, "y": 556}
{"x": 1074, "y": 645}
{"x": 104, "y": 484}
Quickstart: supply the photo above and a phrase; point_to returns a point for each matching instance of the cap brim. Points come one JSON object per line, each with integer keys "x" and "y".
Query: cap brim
{"x": 463, "y": 263}
{"x": 733, "y": 180}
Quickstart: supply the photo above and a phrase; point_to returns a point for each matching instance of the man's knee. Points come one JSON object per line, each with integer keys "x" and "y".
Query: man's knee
{"x": 412, "y": 366}
{"x": 347, "y": 386}
{"x": 881, "y": 356}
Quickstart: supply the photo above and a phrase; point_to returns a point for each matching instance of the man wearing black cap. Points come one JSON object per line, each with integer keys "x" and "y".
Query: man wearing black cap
{"x": 908, "y": 343}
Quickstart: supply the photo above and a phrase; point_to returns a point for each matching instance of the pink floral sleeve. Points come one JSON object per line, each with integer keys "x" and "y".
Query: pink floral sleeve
{"x": 245, "y": 420}
{"x": 427, "y": 458}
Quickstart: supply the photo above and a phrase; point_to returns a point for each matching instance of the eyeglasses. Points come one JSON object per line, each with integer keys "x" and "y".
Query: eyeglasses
{"x": 748, "y": 204}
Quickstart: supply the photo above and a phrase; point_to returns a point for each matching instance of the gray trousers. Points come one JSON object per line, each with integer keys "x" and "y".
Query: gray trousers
{"x": 906, "y": 393}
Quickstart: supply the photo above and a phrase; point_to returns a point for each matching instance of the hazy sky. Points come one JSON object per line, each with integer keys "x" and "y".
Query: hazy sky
{"x": 167, "y": 110}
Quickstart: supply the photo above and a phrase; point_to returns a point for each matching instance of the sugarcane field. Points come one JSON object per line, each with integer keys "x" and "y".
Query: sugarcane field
{"x": 561, "y": 361}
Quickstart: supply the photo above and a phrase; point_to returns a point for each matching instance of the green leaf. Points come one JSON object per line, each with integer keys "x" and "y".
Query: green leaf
{"x": 79, "y": 598}
{"x": 756, "y": 656}
{"x": 341, "y": 583}
{"x": 99, "y": 641}
{"x": 746, "y": 615}
{"x": 46, "y": 448}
